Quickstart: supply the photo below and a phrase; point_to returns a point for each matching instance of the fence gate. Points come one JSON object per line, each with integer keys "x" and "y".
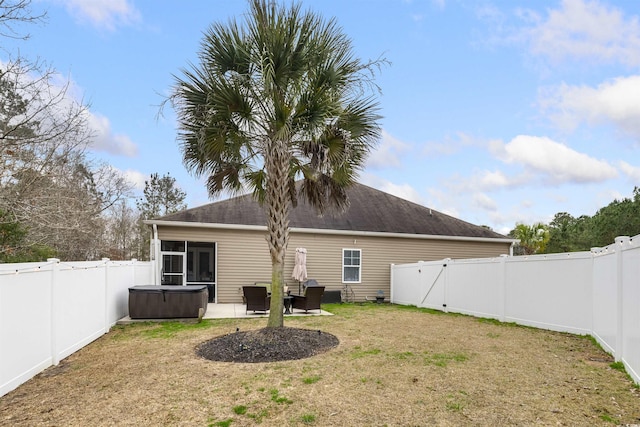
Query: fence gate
{"x": 433, "y": 285}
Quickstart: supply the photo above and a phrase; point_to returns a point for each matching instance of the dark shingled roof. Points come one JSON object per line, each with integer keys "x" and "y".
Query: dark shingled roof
{"x": 370, "y": 210}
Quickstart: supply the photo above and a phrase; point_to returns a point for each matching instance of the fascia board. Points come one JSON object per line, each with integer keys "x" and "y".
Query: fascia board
{"x": 326, "y": 231}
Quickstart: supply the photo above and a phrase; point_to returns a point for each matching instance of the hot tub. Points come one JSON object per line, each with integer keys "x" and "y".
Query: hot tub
{"x": 167, "y": 301}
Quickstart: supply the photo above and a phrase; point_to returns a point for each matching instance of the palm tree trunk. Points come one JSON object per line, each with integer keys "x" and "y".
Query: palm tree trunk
{"x": 278, "y": 205}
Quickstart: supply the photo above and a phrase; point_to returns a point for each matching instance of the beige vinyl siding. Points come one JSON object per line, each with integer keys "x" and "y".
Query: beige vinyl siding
{"x": 243, "y": 257}
{"x": 324, "y": 257}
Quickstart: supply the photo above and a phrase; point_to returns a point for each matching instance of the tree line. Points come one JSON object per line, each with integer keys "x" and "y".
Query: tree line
{"x": 566, "y": 233}
{"x": 77, "y": 227}
{"x": 54, "y": 199}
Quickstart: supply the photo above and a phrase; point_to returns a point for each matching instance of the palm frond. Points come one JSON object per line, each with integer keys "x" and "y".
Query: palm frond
{"x": 279, "y": 76}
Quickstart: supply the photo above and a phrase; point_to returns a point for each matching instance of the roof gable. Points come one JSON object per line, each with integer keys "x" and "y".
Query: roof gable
{"x": 370, "y": 210}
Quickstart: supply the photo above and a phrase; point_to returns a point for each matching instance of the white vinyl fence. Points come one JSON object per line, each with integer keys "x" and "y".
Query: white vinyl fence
{"x": 595, "y": 293}
{"x": 50, "y": 310}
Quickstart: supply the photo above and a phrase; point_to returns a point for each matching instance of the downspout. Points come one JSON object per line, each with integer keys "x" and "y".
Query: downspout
{"x": 154, "y": 250}
{"x": 511, "y": 248}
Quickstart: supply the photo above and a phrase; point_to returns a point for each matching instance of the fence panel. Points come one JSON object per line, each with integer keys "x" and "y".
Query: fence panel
{"x": 605, "y": 297}
{"x": 50, "y": 310}
{"x": 476, "y": 287}
{"x": 631, "y": 309}
{"x": 121, "y": 276}
{"x": 80, "y": 303}
{"x": 550, "y": 291}
{"x": 142, "y": 273}
{"x": 25, "y": 319}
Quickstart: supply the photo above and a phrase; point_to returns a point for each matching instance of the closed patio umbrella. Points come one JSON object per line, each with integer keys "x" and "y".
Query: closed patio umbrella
{"x": 300, "y": 267}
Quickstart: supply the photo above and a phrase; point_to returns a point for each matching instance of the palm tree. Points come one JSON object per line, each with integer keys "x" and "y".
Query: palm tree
{"x": 533, "y": 238}
{"x": 277, "y": 98}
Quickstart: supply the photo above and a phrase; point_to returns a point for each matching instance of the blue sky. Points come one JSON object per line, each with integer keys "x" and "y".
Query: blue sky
{"x": 495, "y": 112}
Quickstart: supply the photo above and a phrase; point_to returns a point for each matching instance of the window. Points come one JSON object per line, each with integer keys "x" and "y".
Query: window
{"x": 351, "y": 265}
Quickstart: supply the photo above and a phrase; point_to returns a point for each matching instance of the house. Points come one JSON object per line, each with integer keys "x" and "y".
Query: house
{"x": 223, "y": 244}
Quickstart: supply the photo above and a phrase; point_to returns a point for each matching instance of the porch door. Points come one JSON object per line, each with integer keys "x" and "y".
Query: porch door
{"x": 201, "y": 266}
{"x": 173, "y": 268}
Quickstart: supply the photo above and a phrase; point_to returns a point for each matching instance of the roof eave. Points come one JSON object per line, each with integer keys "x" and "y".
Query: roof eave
{"x": 329, "y": 231}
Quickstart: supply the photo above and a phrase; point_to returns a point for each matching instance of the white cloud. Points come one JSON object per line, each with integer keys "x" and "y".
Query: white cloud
{"x": 482, "y": 201}
{"x": 506, "y": 219}
{"x": 450, "y": 145}
{"x": 135, "y": 178}
{"x": 404, "y": 191}
{"x": 492, "y": 180}
{"x": 527, "y": 204}
{"x": 630, "y": 171}
{"x": 387, "y": 153}
{"x": 615, "y": 102}
{"x": 64, "y": 97}
{"x": 587, "y": 30}
{"x": 533, "y": 161}
{"x": 485, "y": 180}
{"x": 604, "y": 197}
{"x": 555, "y": 161}
{"x": 444, "y": 201}
{"x": 105, "y": 140}
{"x": 104, "y": 14}
{"x": 500, "y": 30}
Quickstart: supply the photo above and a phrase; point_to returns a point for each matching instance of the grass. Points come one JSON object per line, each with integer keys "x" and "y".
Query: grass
{"x": 360, "y": 352}
{"x": 311, "y": 380}
{"x": 275, "y": 397}
{"x": 308, "y": 418}
{"x": 240, "y": 410}
{"x": 619, "y": 366}
{"x": 156, "y": 330}
{"x": 443, "y": 359}
{"x": 608, "y": 418}
{"x": 224, "y": 423}
{"x": 167, "y": 330}
{"x": 394, "y": 366}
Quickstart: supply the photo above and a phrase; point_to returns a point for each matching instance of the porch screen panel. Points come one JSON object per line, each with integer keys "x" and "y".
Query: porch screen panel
{"x": 201, "y": 262}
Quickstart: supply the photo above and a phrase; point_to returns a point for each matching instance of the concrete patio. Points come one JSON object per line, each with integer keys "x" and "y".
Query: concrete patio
{"x": 230, "y": 311}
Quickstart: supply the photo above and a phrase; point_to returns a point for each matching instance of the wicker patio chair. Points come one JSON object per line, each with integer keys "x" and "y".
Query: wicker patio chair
{"x": 310, "y": 300}
{"x": 256, "y": 298}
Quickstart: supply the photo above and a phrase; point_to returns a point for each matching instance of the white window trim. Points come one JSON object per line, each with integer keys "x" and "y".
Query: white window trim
{"x": 360, "y": 266}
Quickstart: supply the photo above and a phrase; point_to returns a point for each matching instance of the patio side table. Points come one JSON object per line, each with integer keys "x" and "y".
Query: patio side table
{"x": 287, "y": 304}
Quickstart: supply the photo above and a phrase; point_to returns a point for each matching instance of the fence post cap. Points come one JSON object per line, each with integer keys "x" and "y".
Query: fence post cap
{"x": 622, "y": 239}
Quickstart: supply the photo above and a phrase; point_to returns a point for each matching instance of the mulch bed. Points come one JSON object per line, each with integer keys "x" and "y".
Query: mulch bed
{"x": 267, "y": 345}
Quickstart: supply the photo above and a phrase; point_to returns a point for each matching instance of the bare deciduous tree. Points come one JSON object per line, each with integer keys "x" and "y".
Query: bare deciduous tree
{"x": 47, "y": 184}
{"x": 122, "y": 240}
{"x": 16, "y": 12}
{"x": 65, "y": 206}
